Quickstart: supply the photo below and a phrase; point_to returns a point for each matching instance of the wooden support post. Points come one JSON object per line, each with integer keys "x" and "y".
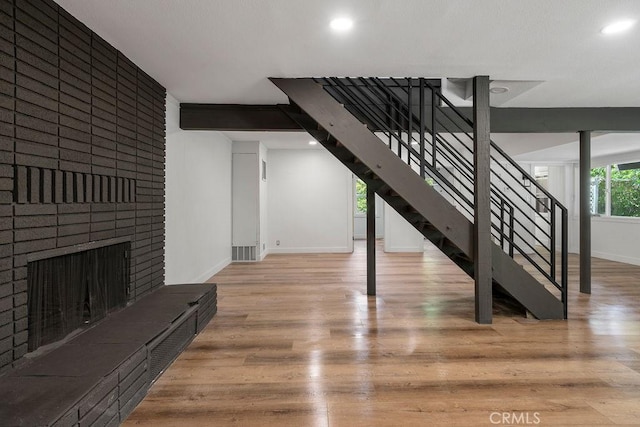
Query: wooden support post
{"x": 585, "y": 212}
{"x": 371, "y": 240}
{"x": 482, "y": 200}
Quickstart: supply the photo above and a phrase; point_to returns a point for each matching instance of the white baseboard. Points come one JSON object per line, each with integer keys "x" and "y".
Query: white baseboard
{"x": 280, "y": 250}
{"x": 213, "y": 270}
{"x": 618, "y": 258}
{"x": 263, "y": 254}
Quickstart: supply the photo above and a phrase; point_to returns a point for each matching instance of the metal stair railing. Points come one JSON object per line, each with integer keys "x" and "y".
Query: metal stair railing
{"x": 435, "y": 139}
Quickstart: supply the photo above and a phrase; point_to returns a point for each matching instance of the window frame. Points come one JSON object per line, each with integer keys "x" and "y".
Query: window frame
{"x": 607, "y": 194}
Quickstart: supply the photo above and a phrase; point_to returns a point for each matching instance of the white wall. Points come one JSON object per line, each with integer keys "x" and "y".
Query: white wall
{"x": 245, "y": 199}
{"x": 310, "y": 202}
{"x": 255, "y": 176}
{"x": 570, "y": 202}
{"x": 264, "y": 226}
{"x": 198, "y": 202}
{"x": 399, "y": 235}
{"x": 610, "y": 236}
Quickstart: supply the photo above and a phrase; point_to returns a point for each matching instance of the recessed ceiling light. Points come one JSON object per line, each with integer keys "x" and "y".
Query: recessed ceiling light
{"x": 341, "y": 24}
{"x": 313, "y": 142}
{"x": 618, "y": 27}
{"x": 499, "y": 89}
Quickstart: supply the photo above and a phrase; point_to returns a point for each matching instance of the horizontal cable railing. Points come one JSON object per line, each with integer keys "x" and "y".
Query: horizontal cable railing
{"x": 435, "y": 139}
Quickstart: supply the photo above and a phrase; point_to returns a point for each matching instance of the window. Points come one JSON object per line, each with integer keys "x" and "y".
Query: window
{"x": 615, "y": 190}
{"x": 598, "y": 191}
{"x": 361, "y": 197}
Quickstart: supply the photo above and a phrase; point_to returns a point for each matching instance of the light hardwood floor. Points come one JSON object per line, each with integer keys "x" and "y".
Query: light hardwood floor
{"x": 297, "y": 342}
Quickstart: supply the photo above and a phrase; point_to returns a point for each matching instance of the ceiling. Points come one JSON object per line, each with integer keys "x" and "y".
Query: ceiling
{"x": 603, "y": 148}
{"x": 277, "y": 140}
{"x": 223, "y": 51}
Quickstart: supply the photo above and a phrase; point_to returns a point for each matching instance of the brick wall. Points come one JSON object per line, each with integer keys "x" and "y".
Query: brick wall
{"x": 82, "y": 151}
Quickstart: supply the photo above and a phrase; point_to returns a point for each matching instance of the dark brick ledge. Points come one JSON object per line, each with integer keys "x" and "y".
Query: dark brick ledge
{"x": 101, "y": 375}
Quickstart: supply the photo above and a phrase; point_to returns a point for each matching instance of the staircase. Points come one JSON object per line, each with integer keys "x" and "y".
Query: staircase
{"x": 414, "y": 148}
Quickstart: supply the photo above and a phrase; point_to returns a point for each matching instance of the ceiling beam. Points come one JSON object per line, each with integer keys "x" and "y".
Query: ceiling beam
{"x": 239, "y": 117}
{"x": 228, "y": 117}
{"x": 562, "y": 120}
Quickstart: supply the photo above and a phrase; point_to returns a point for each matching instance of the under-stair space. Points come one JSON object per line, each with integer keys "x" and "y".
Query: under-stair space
{"x": 415, "y": 149}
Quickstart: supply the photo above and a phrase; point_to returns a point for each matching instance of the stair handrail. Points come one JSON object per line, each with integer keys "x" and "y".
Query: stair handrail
{"x": 400, "y": 121}
{"x": 438, "y": 148}
{"x": 450, "y": 190}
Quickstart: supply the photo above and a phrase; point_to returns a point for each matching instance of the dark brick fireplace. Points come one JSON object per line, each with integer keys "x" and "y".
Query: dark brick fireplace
{"x": 86, "y": 325}
{"x": 82, "y": 154}
{"x": 69, "y": 290}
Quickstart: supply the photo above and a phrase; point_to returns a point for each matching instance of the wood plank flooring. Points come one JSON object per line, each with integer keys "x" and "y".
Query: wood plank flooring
{"x": 297, "y": 342}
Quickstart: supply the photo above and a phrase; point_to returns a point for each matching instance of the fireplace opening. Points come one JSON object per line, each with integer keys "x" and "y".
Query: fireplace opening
{"x": 71, "y": 291}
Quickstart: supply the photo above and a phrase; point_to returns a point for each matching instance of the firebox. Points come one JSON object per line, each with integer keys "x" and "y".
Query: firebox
{"x": 71, "y": 288}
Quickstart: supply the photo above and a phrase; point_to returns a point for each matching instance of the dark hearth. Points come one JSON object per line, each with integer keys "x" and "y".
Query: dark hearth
{"x": 74, "y": 290}
{"x": 99, "y": 376}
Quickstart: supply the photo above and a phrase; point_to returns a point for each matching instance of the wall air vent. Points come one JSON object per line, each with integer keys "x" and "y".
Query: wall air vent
{"x": 243, "y": 253}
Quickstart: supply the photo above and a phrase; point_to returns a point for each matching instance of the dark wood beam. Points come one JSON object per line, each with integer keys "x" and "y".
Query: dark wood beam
{"x": 229, "y": 117}
{"x": 562, "y": 120}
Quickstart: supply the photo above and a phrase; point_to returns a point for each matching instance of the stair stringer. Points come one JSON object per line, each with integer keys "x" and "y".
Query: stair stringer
{"x": 364, "y": 145}
{"x": 373, "y": 153}
{"x": 514, "y": 279}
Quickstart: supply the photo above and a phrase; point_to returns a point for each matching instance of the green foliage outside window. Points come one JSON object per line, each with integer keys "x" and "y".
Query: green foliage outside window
{"x": 599, "y": 178}
{"x": 625, "y": 191}
{"x": 361, "y": 196}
